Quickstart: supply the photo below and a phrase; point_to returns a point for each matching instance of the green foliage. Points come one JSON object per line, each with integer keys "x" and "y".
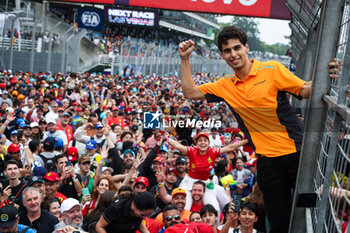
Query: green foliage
{"x": 250, "y": 26}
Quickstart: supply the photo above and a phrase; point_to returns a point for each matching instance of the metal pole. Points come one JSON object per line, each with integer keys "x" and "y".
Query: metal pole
{"x": 112, "y": 65}
{"x": 11, "y": 45}
{"x": 33, "y": 44}
{"x": 44, "y": 14}
{"x": 48, "y": 64}
{"x": 3, "y": 36}
{"x": 80, "y": 37}
{"x": 331, "y": 12}
{"x": 65, "y": 61}
{"x": 64, "y": 37}
{"x": 121, "y": 60}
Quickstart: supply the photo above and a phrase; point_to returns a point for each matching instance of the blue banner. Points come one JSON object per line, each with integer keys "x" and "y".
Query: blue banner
{"x": 90, "y": 19}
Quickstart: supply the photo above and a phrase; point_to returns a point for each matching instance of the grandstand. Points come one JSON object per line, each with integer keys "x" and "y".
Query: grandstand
{"x": 91, "y": 49}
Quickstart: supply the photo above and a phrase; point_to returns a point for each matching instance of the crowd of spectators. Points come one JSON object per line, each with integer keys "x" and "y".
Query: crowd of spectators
{"x": 75, "y": 156}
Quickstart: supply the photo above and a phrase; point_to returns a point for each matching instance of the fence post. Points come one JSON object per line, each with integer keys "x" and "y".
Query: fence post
{"x": 331, "y": 12}
{"x": 48, "y": 64}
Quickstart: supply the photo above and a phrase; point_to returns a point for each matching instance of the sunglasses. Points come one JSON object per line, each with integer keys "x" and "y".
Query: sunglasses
{"x": 169, "y": 218}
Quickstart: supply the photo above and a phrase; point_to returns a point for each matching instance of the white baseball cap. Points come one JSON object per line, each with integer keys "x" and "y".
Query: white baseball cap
{"x": 34, "y": 124}
{"x": 68, "y": 204}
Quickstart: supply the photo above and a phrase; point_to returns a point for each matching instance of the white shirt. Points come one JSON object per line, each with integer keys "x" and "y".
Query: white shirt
{"x": 215, "y": 142}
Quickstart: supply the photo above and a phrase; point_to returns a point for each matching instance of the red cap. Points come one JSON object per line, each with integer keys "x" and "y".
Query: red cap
{"x": 13, "y": 148}
{"x": 2, "y": 85}
{"x": 178, "y": 228}
{"x": 72, "y": 153}
{"x": 52, "y": 176}
{"x": 171, "y": 170}
{"x": 193, "y": 227}
{"x": 79, "y": 109}
{"x": 200, "y": 227}
{"x": 115, "y": 108}
{"x": 60, "y": 109}
{"x": 143, "y": 180}
{"x": 202, "y": 134}
{"x": 75, "y": 104}
{"x": 159, "y": 160}
{"x": 14, "y": 80}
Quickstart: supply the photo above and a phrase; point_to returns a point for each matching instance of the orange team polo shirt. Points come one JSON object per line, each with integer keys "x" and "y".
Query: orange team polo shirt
{"x": 185, "y": 217}
{"x": 261, "y": 106}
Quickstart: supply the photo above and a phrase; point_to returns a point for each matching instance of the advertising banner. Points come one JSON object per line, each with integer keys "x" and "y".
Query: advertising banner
{"x": 132, "y": 17}
{"x": 260, "y": 8}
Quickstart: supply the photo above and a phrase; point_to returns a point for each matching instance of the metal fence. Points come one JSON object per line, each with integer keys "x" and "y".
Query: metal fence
{"x": 320, "y": 31}
{"x": 148, "y": 58}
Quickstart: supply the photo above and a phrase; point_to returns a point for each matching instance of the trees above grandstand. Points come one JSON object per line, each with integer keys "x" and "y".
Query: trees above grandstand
{"x": 250, "y": 25}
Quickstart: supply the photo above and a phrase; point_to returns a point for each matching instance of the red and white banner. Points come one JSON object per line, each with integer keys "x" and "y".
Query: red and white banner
{"x": 259, "y": 8}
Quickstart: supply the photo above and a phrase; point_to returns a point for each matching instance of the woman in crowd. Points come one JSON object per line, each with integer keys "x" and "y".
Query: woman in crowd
{"x": 53, "y": 206}
{"x": 104, "y": 183}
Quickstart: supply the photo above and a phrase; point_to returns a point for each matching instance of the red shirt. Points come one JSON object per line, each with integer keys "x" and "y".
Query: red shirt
{"x": 60, "y": 197}
{"x": 196, "y": 207}
{"x": 201, "y": 165}
{"x": 119, "y": 121}
{"x": 68, "y": 131}
{"x": 88, "y": 207}
{"x": 151, "y": 225}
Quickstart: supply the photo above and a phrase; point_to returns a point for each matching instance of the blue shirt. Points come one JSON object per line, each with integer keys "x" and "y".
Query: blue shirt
{"x": 21, "y": 227}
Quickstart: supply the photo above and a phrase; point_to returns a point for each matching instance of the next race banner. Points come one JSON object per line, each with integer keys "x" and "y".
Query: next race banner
{"x": 260, "y": 8}
{"x": 132, "y": 17}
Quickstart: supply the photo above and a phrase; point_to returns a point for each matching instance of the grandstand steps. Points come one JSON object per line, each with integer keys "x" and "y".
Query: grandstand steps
{"x": 88, "y": 49}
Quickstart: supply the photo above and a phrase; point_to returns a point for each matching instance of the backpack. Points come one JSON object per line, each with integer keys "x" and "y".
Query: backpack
{"x": 49, "y": 164}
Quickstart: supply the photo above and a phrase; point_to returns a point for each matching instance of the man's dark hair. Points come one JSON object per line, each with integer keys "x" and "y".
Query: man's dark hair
{"x": 238, "y": 135}
{"x": 10, "y": 161}
{"x": 250, "y": 206}
{"x": 125, "y": 188}
{"x": 144, "y": 201}
{"x": 33, "y": 145}
{"x": 200, "y": 182}
{"x": 231, "y": 32}
{"x": 60, "y": 156}
{"x": 124, "y": 134}
{"x": 169, "y": 207}
{"x": 208, "y": 208}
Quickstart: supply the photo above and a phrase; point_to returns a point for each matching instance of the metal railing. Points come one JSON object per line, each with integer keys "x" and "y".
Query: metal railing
{"x": 147, "y": 58}
{"x": 324, "y": 164}
{"x": 18, "y": 44}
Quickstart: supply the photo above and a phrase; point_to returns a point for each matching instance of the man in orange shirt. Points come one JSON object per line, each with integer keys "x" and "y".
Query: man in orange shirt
{"x": 178, "y": 199}
{"x": 257, "y": 95}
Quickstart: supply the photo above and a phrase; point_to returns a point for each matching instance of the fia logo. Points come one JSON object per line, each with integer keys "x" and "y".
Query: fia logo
{"x": 90, "y": 19}
{"x": 152, "y": 120}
